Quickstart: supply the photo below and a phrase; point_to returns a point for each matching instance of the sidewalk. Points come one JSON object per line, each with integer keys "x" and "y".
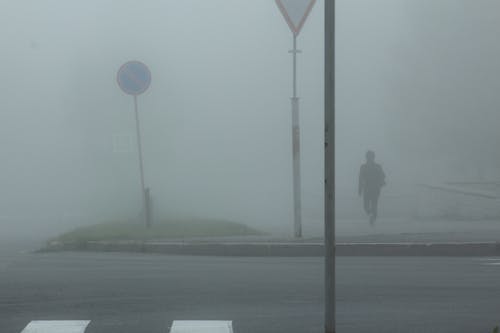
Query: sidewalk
{"x": 354, "y": 238}
{"x": 413, "y": 230}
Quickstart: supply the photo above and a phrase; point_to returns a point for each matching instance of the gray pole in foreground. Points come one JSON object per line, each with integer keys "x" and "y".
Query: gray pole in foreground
{"x": 297, "y": 209}
{"x": 141, "y": 168}
{"x": 329, "y": 166}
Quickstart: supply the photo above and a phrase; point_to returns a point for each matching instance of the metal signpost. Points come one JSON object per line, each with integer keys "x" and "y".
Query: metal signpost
{"x": 329, "y": 166}
{"x": 134, "y": 78}
{"x": 295, "y": 13}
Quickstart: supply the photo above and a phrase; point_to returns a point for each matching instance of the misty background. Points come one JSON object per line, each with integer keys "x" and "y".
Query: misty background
{"x": 417, "y": 82}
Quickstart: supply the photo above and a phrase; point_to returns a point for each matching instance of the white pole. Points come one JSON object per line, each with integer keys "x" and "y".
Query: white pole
{"x": 329, "y": 166}
{"x": 295, "y": 51}
{"x": 297, "y": 209}
{"x": 141, "y": 167}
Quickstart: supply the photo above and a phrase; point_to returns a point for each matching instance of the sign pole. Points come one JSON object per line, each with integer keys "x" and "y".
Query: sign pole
{"x": 295, "y": 14}
{"x": 294, "y": 51}
{"x": 329, "y": 166}
{"x": 141, "y": 167}
{"x": 297, "y": 206}
{"x": 134, "y": 78}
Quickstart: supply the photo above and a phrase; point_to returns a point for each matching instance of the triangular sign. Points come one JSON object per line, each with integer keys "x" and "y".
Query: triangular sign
{"x": 295, "y": 12}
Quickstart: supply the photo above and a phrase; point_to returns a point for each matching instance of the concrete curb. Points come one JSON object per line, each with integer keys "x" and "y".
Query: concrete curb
{"x": 283, "y": 249}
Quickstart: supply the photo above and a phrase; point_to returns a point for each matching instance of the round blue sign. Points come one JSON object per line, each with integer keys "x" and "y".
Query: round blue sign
{"x": 134, "y": 77}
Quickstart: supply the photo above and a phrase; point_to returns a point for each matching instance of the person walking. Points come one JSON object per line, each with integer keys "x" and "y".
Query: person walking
{"x": 371, "y": 180}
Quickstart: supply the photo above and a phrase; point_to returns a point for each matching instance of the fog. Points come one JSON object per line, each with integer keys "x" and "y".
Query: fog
{"x": 417, "y": 83}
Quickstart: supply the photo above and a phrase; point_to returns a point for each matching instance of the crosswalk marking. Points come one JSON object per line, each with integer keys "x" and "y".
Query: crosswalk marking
{"x": 201, "y": 326}
{"x": 56, "y": 326}
{"x": 178, "y": 326}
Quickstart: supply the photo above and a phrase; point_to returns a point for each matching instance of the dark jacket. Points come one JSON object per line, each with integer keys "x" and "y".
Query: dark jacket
{"x": 371, "y": 178}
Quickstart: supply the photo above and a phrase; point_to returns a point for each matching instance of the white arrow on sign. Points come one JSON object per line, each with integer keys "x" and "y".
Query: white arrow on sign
{"x": 295, "y": 12}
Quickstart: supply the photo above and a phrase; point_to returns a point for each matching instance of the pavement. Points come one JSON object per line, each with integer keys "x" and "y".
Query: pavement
{"x": 356, "y": 237}
{"x": 135, "y": 293}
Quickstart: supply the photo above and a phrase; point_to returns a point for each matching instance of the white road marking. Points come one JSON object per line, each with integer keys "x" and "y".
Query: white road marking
{"x": 56, "y": 326}
{"x": 201, "y": 326}
{"x": 490, "y": 261}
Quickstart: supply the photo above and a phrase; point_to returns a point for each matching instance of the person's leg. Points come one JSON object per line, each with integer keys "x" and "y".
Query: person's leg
{"x": 371, "y": 207}
{"x": 366, "y": 203}
{"x": 374, "y": 209}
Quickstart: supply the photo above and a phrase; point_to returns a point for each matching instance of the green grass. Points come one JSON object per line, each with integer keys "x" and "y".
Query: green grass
{"x": 161, "y": 230}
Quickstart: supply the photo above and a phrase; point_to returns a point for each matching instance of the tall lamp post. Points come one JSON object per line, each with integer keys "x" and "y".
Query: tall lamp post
{"x": 329, "y": 166}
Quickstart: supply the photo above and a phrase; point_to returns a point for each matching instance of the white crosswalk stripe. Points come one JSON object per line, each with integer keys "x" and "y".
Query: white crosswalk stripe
{"x": 56, "y": 326}
{"x": 178, "y": 326}
{"x": 201, "y": 326}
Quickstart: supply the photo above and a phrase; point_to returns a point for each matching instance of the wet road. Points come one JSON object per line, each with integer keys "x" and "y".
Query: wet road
{"x": 145, "y": 293}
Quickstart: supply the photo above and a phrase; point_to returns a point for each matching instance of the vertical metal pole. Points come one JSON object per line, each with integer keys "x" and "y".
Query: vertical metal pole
{"x": 297, "y": 209}
{"x": 294, "y": 65}
{"x": 141, "y": 167}
{"x": 329, "y": 166}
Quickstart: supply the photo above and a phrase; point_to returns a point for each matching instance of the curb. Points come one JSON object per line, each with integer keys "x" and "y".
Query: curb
{"x": 266, "y": 249}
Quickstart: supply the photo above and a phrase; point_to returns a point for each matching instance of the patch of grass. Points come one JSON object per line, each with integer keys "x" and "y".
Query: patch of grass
{"x": 160, "y": 230}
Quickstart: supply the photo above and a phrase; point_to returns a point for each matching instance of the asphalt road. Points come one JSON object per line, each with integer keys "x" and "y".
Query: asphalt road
{"x": 145, "y": 293}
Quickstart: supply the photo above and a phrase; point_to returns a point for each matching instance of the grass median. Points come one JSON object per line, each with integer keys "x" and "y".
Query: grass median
{"x": 119, "y": 231}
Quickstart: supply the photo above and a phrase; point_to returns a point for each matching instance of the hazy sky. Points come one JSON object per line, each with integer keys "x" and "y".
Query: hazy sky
{"x": 417, "y": 82}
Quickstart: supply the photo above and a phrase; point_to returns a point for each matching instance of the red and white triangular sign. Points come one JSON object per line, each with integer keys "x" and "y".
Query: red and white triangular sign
{"x": 295, "y": 12}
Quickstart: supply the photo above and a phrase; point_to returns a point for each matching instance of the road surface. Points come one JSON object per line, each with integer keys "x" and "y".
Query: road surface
{"x": 129, "y": 293}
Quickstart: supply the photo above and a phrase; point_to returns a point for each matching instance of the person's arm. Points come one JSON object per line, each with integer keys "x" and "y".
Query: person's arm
{"x": 382, "y": 176}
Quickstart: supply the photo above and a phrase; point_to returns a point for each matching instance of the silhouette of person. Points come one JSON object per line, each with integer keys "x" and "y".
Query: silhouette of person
{"x": 371, "y": 180}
